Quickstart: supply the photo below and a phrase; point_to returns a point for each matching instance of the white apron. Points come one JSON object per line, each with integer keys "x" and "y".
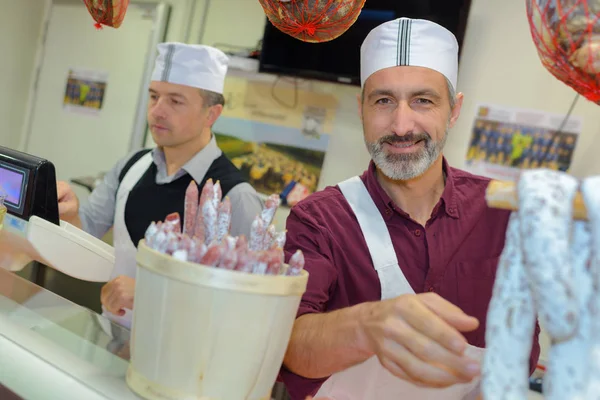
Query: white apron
{"x": 370, "y": 380}
{"x": 125, "y": 249}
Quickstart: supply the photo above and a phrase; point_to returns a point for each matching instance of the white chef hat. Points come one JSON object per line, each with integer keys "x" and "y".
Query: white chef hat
{"x": 194, "y": 65}
{"x": 411, "y": 42}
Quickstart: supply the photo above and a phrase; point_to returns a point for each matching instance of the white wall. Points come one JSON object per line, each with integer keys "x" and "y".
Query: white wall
{"x": 20, "y": 26}
{"x": 21, "y": 29}
{"x": 234, "y": 22}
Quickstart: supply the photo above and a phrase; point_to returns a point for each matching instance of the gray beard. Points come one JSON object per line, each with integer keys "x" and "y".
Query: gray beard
{"x": 403, "y": 167}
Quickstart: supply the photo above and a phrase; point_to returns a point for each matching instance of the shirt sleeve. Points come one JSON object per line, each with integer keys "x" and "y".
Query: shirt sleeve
{"x": 97, "y": 214}
{"x": 306, "y": 234}
{"x": 245, "y": 206}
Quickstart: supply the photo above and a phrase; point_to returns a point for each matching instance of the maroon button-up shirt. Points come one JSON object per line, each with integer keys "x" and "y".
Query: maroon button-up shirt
{"x": 454, "y": 255}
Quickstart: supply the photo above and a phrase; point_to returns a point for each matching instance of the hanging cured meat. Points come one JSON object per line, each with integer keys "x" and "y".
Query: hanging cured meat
{"x": 549, "y": 269}
{"x": 566, "y": 34}
{"x": 312, "y": 20}
{"x": 107, "y": 12}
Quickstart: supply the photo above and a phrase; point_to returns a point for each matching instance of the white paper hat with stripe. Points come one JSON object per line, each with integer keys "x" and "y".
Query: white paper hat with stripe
{"x": 410, "y": 42}
{"x": 194, "y": 65}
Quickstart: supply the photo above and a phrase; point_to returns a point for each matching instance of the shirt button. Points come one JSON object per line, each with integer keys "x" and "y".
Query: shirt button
{"x": 388, "y": 211}
{"x": 431, "y": 289}
{"x": 418, "y": 232}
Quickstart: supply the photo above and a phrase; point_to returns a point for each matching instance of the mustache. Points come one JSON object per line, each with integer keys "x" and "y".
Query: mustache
{"x": 409, "y": 137}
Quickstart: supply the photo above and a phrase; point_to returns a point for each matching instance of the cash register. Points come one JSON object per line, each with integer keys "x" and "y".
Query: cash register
{"x": 29, "y": 183}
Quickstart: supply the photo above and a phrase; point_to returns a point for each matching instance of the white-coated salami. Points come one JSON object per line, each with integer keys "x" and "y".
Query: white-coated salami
{"x": 545, "y": 211}
{"x": 173, "y": 222}
{"x": 590, "y": 190}
{"x": 210, "y": 216}
{"x": 203, "y": 235}
{"x": 217, "y": 193}
{"x": 567, "y": 371}
{"x": 190, "y": 208}
{"x": 257, "y": 234}
{"x": 510, "y": 324}
{"x": 206, "y": 196}
{"x": 296, "y": 264}
{"x": 269, "y": 237}
{"x": 271, "y": 205}
{"x": 223, "y": 219}
{"x": 150, "y": 234}
{"x": 279, "y": 240}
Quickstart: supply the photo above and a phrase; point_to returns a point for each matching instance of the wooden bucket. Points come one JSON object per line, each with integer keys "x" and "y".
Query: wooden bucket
{"x": 206, "y": 333}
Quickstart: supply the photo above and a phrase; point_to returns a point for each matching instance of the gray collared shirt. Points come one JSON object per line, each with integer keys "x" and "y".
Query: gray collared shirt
{"x": 98, "y": 212}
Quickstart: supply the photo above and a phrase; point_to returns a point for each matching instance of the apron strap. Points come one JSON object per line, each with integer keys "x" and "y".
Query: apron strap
{"x": 376, "y": 234}
{"x": 134, "y": 174}
{"x": 125, "y": 249}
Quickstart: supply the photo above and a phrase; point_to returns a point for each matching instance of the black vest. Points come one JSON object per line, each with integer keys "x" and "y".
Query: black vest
{"x": 150, "y": 202}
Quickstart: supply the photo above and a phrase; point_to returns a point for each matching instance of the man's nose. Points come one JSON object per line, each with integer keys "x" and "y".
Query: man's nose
{"x": 157, "y": 110}
{"x": 403, "y": 119}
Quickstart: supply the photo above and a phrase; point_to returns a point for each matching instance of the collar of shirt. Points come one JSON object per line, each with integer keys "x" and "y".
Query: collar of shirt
{"x": 197, "y": 166}
{"x": 447, "y": 204}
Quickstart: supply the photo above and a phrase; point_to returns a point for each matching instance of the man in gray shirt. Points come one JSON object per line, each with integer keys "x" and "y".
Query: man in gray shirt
{"x": 185, "y": 101}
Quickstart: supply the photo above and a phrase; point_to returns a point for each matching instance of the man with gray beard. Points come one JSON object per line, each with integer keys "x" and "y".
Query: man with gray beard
{"x": 401, "y": 259}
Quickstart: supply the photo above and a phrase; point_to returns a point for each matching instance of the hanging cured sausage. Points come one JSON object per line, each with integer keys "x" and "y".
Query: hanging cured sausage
{"x": 566, "y": 34}
{"x": 549, "y": 269}
{"x": 107, "y": 12}
{"x": 312, "y": 20}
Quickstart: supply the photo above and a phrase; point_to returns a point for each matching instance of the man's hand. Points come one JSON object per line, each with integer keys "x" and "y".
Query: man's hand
{"x": 68, "y": 203}
{"x": 416, "y": 337}
{"x": 117, "y": 295}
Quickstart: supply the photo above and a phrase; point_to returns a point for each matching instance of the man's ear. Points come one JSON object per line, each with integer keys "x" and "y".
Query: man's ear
{"x": 456, "y": 110}
{"x": 214, "y": 112}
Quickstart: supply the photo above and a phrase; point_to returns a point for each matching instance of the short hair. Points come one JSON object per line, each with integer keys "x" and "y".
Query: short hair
{"x": 211, "y": 98}
{"x": 451, "y": 94}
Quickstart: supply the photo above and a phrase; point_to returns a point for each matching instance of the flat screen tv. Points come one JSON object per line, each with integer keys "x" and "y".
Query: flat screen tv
{"x": 339, "y": 60}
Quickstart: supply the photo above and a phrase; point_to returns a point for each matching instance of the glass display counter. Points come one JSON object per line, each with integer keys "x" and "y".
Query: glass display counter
{"x": 51, "y": 348}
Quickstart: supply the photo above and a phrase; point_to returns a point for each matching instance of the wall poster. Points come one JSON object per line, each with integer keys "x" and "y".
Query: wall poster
{"x": 505, "y": 140}
{"x": 277, "y": 137}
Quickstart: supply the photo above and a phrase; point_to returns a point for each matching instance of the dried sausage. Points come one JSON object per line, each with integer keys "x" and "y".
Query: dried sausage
{"x": 190, "y": 208}
{"x": 510, "y": 324}
{"x": 590, "y": 189}
{"x": 173, "y": 222}
{"x": 296, "y": 263}
{"x": 270, "y": 208}
{"x": 257, "y": 234}
{"x": 210, "y": 216}
{"x": 223, "y": 219}
{"x": 545, "y": 211}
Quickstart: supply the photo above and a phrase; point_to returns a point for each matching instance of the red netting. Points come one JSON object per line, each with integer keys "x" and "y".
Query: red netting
{"x": 312, "y": 20}
{"x": 107, "y": 12}
{"x": 566, "y": 34}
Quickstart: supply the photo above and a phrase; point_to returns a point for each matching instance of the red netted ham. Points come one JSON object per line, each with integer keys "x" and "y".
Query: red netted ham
{"x": 312, "y": 20}
{"x": 566, "y": 34}
{"x": 107, "y": 12}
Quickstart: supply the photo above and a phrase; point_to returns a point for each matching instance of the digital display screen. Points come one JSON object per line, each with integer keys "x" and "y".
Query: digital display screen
{"x": 13, "y": 183}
